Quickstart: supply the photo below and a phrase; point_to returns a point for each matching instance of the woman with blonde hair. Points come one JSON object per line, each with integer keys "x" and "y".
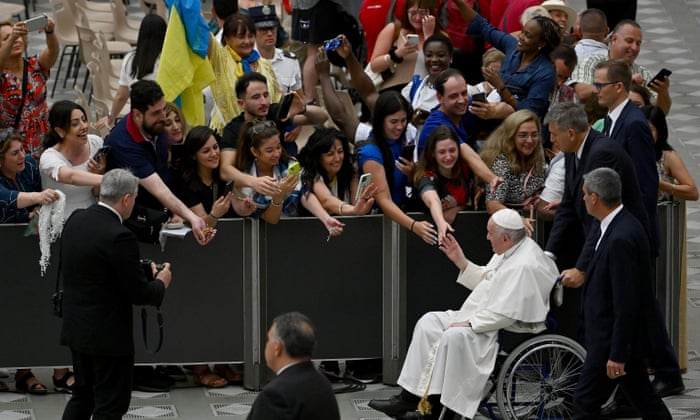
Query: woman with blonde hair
{"x": 514, "y": 152}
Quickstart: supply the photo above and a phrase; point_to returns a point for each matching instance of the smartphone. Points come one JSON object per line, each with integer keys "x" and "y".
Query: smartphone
{"x": 407, "y": 152}
{"x": 412, "y": 39}
{"x": 479, "y": 97}
{"x": 294, "y": 168}
{"x": 285, "y": 104}
{"x": 214, "y": 26}
{"x": 660, "y": 76}
{"x": 36, "y": 23}
{"x": 365, "y": 179}
{"x": 102, "y": 152}
{"x": 228, "y": 187}
{"x": 332, "y": 44}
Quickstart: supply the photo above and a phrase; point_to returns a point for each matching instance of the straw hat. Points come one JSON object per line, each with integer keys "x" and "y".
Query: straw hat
{"x": 560, "y": 5}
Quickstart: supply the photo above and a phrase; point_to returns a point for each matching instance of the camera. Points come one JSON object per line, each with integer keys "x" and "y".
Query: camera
{"x": 148, "y": 271}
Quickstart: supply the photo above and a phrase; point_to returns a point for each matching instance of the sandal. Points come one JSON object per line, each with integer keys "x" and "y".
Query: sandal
{"x": 27, "y": 382}
{"x": 231, "y": 376}
{"x": 209, "y": 379}
{"x": 61, "y": 385}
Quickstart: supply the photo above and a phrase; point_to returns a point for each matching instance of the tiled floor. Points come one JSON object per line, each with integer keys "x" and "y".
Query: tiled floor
{"x": 671, "y": 39}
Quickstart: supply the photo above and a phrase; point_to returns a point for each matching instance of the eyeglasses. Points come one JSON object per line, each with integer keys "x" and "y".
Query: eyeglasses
{"x": 601, "y": 85}
{"x": 259, "y": 126}
{"x": 521, "y": 135}
{"x": 419, "y": 12}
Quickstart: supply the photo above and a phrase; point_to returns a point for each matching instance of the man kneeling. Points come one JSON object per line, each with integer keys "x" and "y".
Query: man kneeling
{"x": 452, "y": 353}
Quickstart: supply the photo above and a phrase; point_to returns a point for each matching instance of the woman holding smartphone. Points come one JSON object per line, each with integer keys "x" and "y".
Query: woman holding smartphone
{"x": 442, "y": 179}
{"x": 381, "y": 157}
{"x": 330, "y": 175}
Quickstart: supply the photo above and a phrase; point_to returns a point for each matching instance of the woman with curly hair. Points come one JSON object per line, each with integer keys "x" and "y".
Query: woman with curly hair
{"x": 329, "y": 174}
{"x": 514, "y": 152}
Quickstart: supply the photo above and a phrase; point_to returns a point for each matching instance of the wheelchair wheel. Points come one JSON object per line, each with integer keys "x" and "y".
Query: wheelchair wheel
{"x": 538, "y": 379}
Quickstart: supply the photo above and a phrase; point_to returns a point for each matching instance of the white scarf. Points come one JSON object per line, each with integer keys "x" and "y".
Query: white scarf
{"x": 51, "y": 218}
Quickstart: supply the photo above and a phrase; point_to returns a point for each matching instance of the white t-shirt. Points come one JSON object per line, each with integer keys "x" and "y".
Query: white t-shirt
{"x": 125, "y": 78}
{"x": 77, "y": 197}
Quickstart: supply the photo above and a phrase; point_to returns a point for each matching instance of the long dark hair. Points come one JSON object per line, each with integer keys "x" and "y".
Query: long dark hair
{"x": 427, "y": 161}
{"x": 388, "y": 102}
{"x": 319, "y": 143}
{"x": 252, "y": 135}
{"x": 657, "y": 118}
{"x": 60, "y": 117}
{"x": 195, "y": 140}
{"x": 149, "y": 44}
{"x": 550, "y": 34}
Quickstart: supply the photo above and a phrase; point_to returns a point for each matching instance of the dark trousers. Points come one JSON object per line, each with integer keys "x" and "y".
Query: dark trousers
{"x": 663, "y": 357}
{"x": 615, "y": 10}
{"x": 594, "y": 388}
{"x": 102, "y": 387}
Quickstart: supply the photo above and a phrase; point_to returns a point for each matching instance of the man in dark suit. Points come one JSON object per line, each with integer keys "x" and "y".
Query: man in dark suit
{"x": 619, "y": 282}
{"x": 299, "y": 392}
{"x": 102, "y": 279}
{"x": 587, "y": 150}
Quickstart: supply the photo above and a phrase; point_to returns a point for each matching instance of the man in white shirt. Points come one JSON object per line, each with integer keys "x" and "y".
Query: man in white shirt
{"x": 452, "y": 353}
{"x": 594, "y": 30}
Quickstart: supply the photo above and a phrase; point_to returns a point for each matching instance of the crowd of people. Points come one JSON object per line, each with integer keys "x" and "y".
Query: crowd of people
{"x": 559, "y": 94}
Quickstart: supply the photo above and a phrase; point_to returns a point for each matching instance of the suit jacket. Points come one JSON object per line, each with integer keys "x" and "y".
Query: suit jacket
{"x": 632, "y": 132}
{"x": 571, "y": 219}
{"x": 102, "y": 279}
{"x": 300, "y": 392}
{"x": 618, "y": 285}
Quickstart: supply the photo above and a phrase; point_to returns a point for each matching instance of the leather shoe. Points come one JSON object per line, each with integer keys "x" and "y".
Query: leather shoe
{"x": 394, "y": 406}
{"x": 668, "y": 388}
{"x": 618, "y": 410}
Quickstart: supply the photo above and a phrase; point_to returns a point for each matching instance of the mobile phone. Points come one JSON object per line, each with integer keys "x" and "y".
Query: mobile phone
{"x": 228, "y": 187}
{"x": 285, "y": 104}
{"x": 293, "y": 168}
{"x": 36, "y": 23}
{"x": 407, "y": 152}
{"x": 365, "y": 179}
{"x": 660, "y": 76}
{"x": 479, "y": 97}
{"x": 332, "y": 44}
{"x": 102, "y": 152}
{"x": 412, "y": 39}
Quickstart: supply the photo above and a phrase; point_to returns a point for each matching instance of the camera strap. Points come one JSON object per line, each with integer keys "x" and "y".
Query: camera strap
{"x": 144, "y": 329}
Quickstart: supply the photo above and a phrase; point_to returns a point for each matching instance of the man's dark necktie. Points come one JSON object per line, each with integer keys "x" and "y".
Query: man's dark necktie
{"x": 607, "y": 125}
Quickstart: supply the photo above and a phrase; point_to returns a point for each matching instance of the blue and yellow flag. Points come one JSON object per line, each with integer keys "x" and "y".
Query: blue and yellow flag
{"x": 184, "y": 68}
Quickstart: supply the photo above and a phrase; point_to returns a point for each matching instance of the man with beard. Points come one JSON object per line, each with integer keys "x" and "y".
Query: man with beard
{"x": 137, "y": 144}
{"x": 254, "y": 99}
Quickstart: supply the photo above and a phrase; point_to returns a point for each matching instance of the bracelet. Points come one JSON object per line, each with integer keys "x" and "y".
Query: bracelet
{"x": 501, "y": 90}
{"x": 387, "y": 60}
{"x": 414, "y": 222}
{"x": 340, "y": 208}
{"x": 395, "y": 58}
{"x": 276, "y": 204}
{"x": 212, "y": 215}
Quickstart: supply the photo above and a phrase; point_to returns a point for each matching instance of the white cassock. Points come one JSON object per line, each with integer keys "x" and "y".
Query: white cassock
{"x": 511, "y": 292}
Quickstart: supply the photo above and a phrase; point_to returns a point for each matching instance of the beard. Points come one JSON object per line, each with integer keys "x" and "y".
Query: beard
{"x": 154, "y": 129}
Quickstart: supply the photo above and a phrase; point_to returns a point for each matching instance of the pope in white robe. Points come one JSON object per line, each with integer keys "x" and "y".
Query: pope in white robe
{"x": 452, "y": 353}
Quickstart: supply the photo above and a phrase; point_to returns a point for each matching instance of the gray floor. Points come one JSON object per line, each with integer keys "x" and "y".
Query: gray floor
{"x": 671, "y": 39}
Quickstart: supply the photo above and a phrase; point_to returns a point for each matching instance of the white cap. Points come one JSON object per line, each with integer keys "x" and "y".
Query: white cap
{"x": 508, "y": 219}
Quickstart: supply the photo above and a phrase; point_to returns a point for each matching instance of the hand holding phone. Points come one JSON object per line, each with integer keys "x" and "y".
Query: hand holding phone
{"x": 365, "y": 179}
{"x": 36, "y": 23}
{"x": 412, "y": 39}
{"x": 285, "y": 105}
{"x": 294, "y": 168}
{"x": 479, "y": 97}
{"x": 407, "y": 152}
{"x": 332, "y": 44}
{"x": 660, "y": 76}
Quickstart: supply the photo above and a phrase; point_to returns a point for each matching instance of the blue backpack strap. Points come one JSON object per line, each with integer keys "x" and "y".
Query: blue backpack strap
{"x": 415, "y": 84}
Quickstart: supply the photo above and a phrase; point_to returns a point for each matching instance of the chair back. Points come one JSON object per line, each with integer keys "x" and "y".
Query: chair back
{"x": 123, "y": 31}
{"x": 64, "y": 22}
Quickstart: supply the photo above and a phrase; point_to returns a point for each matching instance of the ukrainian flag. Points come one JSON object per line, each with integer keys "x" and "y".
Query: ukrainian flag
{"x": 184, "y": 68}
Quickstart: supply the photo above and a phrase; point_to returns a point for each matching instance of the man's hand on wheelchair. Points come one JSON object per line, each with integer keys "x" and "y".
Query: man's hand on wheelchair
{"x": 572, "y": 277}
{"x": 466, "y": 324}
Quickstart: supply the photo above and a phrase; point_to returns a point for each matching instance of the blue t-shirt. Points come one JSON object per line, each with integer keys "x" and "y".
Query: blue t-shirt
{"x": 531, "y": 85}
{"x": 437, "y": 118}
{"x": 131, "y": 150}
{"x": 370, "y": 152}
{"x": 29, "y": 180}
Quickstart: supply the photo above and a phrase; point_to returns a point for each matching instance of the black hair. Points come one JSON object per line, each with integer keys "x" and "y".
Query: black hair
{"x": 319, "y": 143}
{"x": 567, "y": 54}
{"x": 296, "y": 332}
{"x": 643, "y": 92}
{"x": 550, "y": 34}
{"x": 442, "y": 39}
{"x": 60, "y": 117}
{"x": 196, "y": 139}
{"x": 657, "y": 118}
{"x": 238, "y": 25}
{"x": 225, "y": 8}
{"x": 244, "y": 81}
{"x": 145, "y": 93}
{"x": 149, "y": 44}
{"x": 251, "y": 136}
{"x": 389, "y": 102}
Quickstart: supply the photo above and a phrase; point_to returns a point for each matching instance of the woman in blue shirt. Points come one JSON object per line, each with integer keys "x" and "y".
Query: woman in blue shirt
{"x": 381, "y": 157}
{"x": 527, "y": 74}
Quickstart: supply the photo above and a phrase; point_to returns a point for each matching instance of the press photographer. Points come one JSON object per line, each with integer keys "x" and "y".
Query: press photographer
{"x": 102, "y": 278}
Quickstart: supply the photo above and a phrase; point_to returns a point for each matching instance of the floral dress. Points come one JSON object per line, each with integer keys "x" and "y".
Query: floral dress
{"x": 34, "y": 123}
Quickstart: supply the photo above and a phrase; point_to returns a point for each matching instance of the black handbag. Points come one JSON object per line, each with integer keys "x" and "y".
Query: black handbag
{"x": 146, "y": 223}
